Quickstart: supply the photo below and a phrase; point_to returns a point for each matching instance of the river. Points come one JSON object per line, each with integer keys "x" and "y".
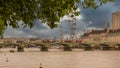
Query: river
{"x": 73, "y": 59}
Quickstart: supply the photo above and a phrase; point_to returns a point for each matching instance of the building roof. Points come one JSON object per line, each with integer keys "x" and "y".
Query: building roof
{"x": 111, "y": 31}
{"x": 116, "y": 12}
{"x": 98, "y": 31}
{"x": 95, "y": 32}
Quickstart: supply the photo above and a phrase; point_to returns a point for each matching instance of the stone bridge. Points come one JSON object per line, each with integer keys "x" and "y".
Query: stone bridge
{"x": 66, "y": 46}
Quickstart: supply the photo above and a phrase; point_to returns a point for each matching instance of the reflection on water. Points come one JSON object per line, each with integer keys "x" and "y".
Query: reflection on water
{"x": 74, "y": 59}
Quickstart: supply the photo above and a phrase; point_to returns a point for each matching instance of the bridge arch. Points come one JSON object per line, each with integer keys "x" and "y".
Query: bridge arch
{"x": 64, "y": 46}
{"x": 103, "y": 46}
{"x": 86, "y": 47}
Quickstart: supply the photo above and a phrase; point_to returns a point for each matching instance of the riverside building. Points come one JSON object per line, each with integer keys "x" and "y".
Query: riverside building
{"x": 110, "y": 35}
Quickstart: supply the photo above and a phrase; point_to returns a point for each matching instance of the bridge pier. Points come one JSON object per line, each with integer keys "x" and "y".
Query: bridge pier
{"x": 20, "y": 48}
{"x": 44, "y": 48}
{"x": 67, "y": 48}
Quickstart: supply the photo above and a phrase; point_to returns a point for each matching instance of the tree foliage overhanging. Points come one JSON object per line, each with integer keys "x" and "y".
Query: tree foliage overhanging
{"x": 50, "y": 11}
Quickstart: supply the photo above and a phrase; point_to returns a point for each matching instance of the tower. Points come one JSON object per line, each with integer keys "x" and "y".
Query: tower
{"x": 73, "y": 28}
{"x": 116, "y": 20}
{"x": 108, "y": 28}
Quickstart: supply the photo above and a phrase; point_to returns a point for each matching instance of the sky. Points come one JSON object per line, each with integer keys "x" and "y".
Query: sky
{"x": 88, "y": 19}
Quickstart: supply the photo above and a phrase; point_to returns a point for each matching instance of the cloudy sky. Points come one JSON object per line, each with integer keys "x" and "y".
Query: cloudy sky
{"x": 88, "y": 19}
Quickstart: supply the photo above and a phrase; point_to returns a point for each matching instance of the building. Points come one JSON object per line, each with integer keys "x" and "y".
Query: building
{"x": 116, "y": 20}
{"x": 108, "y": 34}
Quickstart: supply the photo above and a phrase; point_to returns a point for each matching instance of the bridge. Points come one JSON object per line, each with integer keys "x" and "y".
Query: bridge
{"x": 66, "y": 46}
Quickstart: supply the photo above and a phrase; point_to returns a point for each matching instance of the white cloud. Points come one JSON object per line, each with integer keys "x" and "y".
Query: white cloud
{"x": 43, "y": 31}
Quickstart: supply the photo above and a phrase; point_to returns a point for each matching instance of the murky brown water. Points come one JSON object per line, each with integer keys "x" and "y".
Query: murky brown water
{"x": 74, "y": 59}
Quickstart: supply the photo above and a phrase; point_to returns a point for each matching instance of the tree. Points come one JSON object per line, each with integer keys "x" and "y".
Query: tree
{"x": 2, "y": 28}
{"x": 50, "y": 11}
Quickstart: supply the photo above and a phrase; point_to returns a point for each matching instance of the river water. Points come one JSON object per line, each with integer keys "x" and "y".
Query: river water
{"x": 73, "y": 59}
